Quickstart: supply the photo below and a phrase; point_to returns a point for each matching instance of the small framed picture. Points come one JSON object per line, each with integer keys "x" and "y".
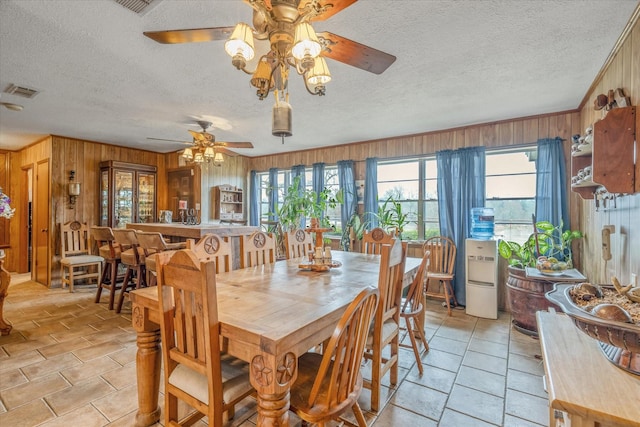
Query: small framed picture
{"x": 360, "y": 190}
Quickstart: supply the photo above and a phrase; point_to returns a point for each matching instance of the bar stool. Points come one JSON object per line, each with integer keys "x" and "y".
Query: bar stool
{"x": 132, "y": 257}
{"x": 110, "y": 251}
{"x": 152, "y": 243}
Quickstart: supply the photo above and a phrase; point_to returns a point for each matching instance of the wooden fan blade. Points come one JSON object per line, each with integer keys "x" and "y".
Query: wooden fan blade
{"x": 190, "y": 36}
{"x": 170, "y": 140}
{"x": 354, "y": 53}
{"x": 335, "y": 6}
{"x": 236, "y": 144}
{"x": 227, "y": 152}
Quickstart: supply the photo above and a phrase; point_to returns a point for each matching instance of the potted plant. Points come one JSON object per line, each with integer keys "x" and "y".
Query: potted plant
{"x": 525, "y": 294}
{"x": 390, "y": 216}
{"x": 300, "y": 203}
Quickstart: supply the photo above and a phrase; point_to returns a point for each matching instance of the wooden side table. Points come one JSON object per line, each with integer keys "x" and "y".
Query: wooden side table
{"x": 585, "y": 389}
{"x": 5, "y": 279}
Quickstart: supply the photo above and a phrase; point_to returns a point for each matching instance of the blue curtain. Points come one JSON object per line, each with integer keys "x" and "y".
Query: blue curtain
{"x": 254, "y": 203}
{"x": 551, "y": 191}
{"x": 273, "y": 194}
{"x": 347, "y": 183}
{"x": 371, "y": 193}
{"x": 461, "y": 186}
{"x": 318, "y": 180}
{"x": 299, "y": 171}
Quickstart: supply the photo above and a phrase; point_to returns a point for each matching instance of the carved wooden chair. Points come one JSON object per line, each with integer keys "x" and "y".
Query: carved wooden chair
{"x": 110, "y": 251}
{"x": 373, "y": 240}
{"x": 77, "y": 262}
{"x": 213, "y": 247}
{"x": 132, "y": 257}
{"x": 386, "y": 325}
{"x": 298, "y": 243}
{"x": 257, "y": 249}
{"x": 195, "y": 371}
{"x": 441, "y": 268}
{"x": 412, "y": 311}
{"x": 329, "y": 384}
{"x": 152, "y": 243}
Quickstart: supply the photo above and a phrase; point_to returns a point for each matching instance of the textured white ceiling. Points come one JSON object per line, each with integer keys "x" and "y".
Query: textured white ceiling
{"x": 458, "y": 63}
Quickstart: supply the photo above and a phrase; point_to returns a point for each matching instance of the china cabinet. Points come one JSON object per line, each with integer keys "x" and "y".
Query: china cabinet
{"x": 607, "y": 159}
{"x": 227, "y": 203}
{"x": 127, "y": 193}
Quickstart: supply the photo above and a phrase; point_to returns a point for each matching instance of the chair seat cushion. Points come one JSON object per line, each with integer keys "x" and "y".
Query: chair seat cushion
{"x": 81, "y": 260}
{"x": 235, "y": 380}
{"x": 128, "y": 257}
{"x": 389, "y": 328}
{"x": 105, "y": 251}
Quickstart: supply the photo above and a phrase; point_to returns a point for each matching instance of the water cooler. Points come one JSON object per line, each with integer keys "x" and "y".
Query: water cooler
{"x": 481, "y": 266}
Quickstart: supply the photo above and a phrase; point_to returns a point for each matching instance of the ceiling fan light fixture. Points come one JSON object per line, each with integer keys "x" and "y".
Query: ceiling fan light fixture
{"x": 262, "y": 79}
{"x": 306, "y": 42}
{"x": 319, "y": 74}
{"x": 218, "y": 160}
{"x": 198, "y": 158}
{"x": 187, "y": 154}
{"x": 209, "y": 153}
{"x": 240, "y": 44}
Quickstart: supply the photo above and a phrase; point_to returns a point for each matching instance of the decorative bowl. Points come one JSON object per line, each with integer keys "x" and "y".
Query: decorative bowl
{"x": 619, "y": 341}
{"x": 551, "y": 266}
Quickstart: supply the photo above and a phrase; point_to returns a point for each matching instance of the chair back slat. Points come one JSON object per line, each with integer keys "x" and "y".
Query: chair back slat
{"x": 299, "y": 243}
{"x": 151, "y": 242}
{"x": 258, "y": 248}
{"x": 373, "y": 240}
{"x": 189, "y": 324}
{"x": 443, "y": 254}
{"x": 213, "y": 247}
{"x": 414, "y": 298}
{"x": 74, "y": 239}
{"x": 392, "y": 263}
{"x": 340, "y": 366}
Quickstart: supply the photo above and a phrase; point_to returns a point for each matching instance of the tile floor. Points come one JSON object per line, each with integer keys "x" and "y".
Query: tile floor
{"x": 69, "y": 361}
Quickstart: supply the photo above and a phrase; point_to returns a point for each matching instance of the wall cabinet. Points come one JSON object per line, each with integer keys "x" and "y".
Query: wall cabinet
{"x": 608, "y": 160}
{"x": 228, "y": 203}
{"x": 127, "y": 193}
{"x": 184, "y": 185}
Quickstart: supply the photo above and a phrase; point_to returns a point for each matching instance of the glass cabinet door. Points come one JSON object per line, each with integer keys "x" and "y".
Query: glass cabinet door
{"x": 146, "y": 197}
{"x": 123, "y": 198}
{"x": 104, "y": 198}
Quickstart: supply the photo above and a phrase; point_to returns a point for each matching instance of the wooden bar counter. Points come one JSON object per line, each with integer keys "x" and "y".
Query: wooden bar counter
{"x": 180, "y": 232}
{"x": 585, "y": 389}
{"x": 194, "y": 231}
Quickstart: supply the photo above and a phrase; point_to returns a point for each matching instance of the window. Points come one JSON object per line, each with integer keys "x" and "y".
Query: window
{"x": 510, "y": 187}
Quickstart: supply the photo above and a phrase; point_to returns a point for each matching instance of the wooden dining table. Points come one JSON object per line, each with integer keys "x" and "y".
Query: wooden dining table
{"x": 269, "y": 315}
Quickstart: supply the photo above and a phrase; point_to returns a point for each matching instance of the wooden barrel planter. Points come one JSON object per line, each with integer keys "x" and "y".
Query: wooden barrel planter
{"x": 526, "y": 297}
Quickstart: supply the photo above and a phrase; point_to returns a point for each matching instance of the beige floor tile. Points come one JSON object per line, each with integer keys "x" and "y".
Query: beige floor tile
{"x": 64, "y": 347}
{"x": 527, "y": 406}
{"x": 121, "y": 377}
{"x": 480, "y": 380}
{"x": 45, "y": 367}
{"x": 86, "y": 416}
{"x": 485, "y": 362}
{"x": 20, "y": 360}
{"x": 119, "y": 403}
{"x": 476, "y": 404}
{"x": 11, "y": 378}
{"x": 421, "y": 400}
{"x": 74, "y": 397}
{"x": 26, "y": 392}
{"x": 92, "y": 368}
{"x": 31, "y": 414}
{"x": 32, "y": 343}
{"x": 97, "y": 350}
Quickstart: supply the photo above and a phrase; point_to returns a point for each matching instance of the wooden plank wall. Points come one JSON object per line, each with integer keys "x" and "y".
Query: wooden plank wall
{"x": 623, "y": 71}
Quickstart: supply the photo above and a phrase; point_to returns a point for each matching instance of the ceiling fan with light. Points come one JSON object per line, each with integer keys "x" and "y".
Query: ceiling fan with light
{"x": 205, "y": 148}
{"x": 286, "y": 24}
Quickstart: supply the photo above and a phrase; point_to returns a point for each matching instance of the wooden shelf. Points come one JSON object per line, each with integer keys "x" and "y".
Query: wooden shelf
{"x": 228, "y": 203}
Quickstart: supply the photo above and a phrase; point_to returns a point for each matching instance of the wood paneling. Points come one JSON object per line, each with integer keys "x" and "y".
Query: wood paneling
{"x": 623, "y": 72}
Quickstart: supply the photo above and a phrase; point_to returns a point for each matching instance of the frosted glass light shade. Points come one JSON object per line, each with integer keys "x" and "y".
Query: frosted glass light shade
{"x": 305, "y": 42}
{"x": 240, "y": 42}
{"x": 319, "y": 74}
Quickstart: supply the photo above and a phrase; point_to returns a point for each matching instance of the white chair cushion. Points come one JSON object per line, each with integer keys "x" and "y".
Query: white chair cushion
{"x": 235, "y": 380}
{"x": 81, "y": 260}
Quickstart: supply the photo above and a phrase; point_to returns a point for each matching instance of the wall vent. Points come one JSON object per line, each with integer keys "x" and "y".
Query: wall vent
{"x": 138, "y": 6}
{"x": 22, "y": 91}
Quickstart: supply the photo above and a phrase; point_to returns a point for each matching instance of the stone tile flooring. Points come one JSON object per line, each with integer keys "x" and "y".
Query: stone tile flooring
{"x": 69, "y": 361}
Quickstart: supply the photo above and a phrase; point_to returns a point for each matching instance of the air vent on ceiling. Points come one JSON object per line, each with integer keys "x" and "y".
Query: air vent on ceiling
{"x": 138, "y": 6}
{"x": 22, "y": 91}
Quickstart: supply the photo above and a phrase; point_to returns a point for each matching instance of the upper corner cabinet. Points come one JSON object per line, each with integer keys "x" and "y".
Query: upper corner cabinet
{"x": 127, "y": 193}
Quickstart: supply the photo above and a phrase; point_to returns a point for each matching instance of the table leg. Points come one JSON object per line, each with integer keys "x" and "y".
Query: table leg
{"x": 272, "y": 378}
{"x": 148, "y": 373}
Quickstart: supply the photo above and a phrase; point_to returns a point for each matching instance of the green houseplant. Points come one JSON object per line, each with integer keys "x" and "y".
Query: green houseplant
{"x": 390, "y": 216}
{"x": 525, "y": 295}
{"x": 300, "y": 203}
